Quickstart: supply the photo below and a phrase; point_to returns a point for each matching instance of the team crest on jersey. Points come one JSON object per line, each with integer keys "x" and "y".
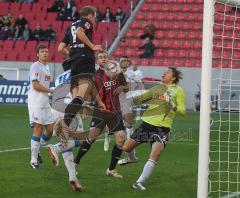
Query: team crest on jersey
{"x": 87, "y": 25}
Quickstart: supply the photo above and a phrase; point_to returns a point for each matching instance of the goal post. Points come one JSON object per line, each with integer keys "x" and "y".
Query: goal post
{"x": 204, "y": 129}
{"x": 219, "y": 130}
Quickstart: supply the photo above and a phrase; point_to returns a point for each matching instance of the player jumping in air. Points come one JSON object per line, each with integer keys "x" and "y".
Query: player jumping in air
{"x": 165, "y": 101}
{"x": 82, "y": 64}
{"x": 39, "y": 109}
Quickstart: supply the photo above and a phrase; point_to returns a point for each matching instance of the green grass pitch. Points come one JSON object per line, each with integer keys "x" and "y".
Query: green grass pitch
{"x": 175, "y": 176}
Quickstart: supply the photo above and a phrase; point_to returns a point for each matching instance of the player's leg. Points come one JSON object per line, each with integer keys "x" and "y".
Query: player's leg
{"x": 116, "y": 154}
{"x": 156, "y": 151}
{"x": 35, "y": 144}
{"x": 158, "y": 140}
{"x": 131, "y": 156}
{"x": 70, "y": 166}
{"x": 86, "y": 145}
{"x": 46, "y": 136}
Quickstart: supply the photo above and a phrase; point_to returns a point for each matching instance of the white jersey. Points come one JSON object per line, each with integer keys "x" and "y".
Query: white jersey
{"x": 134, "y": 76}
{"x": 40, "y": 73}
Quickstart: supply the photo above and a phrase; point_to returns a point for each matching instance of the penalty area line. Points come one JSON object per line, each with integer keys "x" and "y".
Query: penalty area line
{"x": 234, "y": 194}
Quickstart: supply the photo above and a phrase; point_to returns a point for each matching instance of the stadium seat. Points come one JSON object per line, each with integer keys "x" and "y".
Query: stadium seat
{"x": 187, "y": 63}
{"x": 160, "y": 34}
{"x": 13, "y": 56}
{"x": 150, "y": 16}
{"x": 8, "y": 45}
{"x": 170, "y": 53}
{"x": 154, "y": 62}
{"x": 31, "y": 46}
{"x": 176, "y": 44}
{"x": 19, "y": 46}
{"x": 194, "y": 54}
{"x": 186, "y": 44}
{"x": 118, "y": 52}
{"x": 3, "y": 56}
{"x": 171, "y": 34}
{"x": 134, "y": 43}
{"x": 160, "y": 16}
{"x": 144, "y": 61}
{"x": 159, "y": 53}
{"x": 197, "y": 44}
{"x": 181, "y": 53}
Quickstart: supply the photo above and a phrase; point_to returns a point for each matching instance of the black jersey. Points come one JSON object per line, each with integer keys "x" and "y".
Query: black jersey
{"x": 70, "y": 37}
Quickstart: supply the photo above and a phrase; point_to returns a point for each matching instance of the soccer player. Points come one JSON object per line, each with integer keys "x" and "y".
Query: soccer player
{"x": 66, "y": 151}
{"x": 82, "y": 64}
{"x": 110, "y": 83}
{"x": 165, "y": 101}
{"x": 39, "y": 109}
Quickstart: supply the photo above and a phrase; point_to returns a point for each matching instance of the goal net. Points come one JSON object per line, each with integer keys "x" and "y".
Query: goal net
{"x": 224, "y": 150}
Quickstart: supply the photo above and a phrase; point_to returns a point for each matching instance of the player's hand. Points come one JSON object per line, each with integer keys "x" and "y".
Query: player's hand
{"x": 97, "y": 48}
{"x": 118, "y": 90}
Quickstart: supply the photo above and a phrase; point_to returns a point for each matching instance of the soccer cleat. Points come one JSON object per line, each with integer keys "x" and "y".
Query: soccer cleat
{"x": 139, "y": 186}
{"x": 106, "y": 142}
{"x": 76, "y": 186}
{"x": 62, "y": 131}
{"x": 113, "y": 173}
{"x": 126, "y": 161}
{"x": 53, "y": 154}
{"x": 34, "y": 165}
{"x": 39, "y": 159}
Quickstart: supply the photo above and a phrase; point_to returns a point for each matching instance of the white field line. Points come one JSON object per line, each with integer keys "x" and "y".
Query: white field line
{"x": 99, "y": 140}
{"x": 234, "y": 194}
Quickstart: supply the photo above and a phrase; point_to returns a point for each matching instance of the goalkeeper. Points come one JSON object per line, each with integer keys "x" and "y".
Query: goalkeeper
{"x": 164, "y": 102}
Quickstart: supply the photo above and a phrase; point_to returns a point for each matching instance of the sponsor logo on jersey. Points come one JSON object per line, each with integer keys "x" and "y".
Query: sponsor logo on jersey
{"x": 109, "y": 84}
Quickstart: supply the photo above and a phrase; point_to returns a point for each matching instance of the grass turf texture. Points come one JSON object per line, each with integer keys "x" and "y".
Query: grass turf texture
{"x": 175, "y": 176}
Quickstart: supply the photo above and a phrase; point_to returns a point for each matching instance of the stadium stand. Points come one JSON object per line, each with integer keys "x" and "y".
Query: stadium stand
{"x": 36, "y": 13}
{"x": 179, "y": 33}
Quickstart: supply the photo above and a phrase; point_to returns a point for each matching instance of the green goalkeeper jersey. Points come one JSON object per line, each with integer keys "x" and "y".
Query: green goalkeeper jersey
{"x": 159, "y": 112}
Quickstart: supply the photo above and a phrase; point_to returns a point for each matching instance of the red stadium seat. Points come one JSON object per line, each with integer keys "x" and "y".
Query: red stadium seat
{"x": 159, "y": 53}
{"x": 19, "y": 46}
{"x": 194, "y": 54}
{"x": 130, "y": 52}
{"x": 197, "y": 44}
{"x": 160, "y": 16}
{"x": 134, "y": 43}
{"x": 3, "y": 56}
{"x": 170, "y": 53}
{"x": 144, "y": 61}
{"x": 140, "y": 16}
{"x": 150, "y": 16}
{"x": 8, "y": 45}
{"x": 160, "y": 34}
{"x": 23, "y": 57}
{"x": 170, "y": 16}
{"x": 166, "y": 44}
{"x": 118, "y": 52}
{"x": 186, "y": 44}
{"x": 176, "y": 44}
{"x": 181, "y": 53}
{"x": 155, "y": 62}
{"x": 13, "y": 56}
{"x": 171, "y": 34}
{"x": 187, "y": 63}
{"x": 31, "y": 46}
{"x": 177, "y": 62}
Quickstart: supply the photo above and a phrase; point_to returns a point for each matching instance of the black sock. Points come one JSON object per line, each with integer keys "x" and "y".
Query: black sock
{"x": 84, "y": 148}
{"x": 116, "y": 154}
{"x": 72, "y": 109}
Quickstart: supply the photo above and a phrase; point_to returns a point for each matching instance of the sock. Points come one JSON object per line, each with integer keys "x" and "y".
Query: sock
{"x": 69, "y": 163}
{"x": 60, "y": 149}
{"x": 86, "y": 145}
{"x": 116, "y": 154}
{"x": 72, "y": 109}
{"x": 147, "y": 171}
{"x": 44, "y": 139}
{"x": 129, "y": 131}
{"x": 132, "y": 155}
{"x": 35, "y": 146}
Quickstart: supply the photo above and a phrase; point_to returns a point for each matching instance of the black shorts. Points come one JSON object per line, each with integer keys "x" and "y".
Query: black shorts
{"x": 150, "y": 133}
{"x": 101, "y": 119}
{"x": 82, "y": 66}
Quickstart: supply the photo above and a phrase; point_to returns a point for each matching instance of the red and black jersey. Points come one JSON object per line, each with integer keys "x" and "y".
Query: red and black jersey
{"x": 106, "y": 87}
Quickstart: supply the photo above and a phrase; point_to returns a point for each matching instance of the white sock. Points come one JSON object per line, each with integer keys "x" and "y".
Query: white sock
{"x": 147, "y": 171}
{"x": 35, "y": 147}
{"x": 70, "y": 165}
{"x": 129, "y": 131}
{"x": 59, "y": 148}
{"x": 132, "y": 155}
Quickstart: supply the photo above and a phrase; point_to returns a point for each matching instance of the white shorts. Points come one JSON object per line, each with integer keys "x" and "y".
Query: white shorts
{"x": 125, "y": 104}
{"x": 40, "y": 115}
{"x": 76, "y": 124}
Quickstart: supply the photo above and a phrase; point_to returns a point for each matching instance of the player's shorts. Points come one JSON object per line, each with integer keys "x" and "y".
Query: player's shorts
{"x": 40, "y": 115}
{"x": 150, "y": 133}
{"x": 101, "y": 119}
{"x": 82, "y": 67}
{"x": 125, "y": 104}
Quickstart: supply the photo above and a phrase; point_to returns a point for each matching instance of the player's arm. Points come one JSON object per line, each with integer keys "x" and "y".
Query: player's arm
{"x": 39, "y": 87}
{"x": 80, "y": 32}
{"x": 180, "y": 103}
{"x": 62, "y": 48}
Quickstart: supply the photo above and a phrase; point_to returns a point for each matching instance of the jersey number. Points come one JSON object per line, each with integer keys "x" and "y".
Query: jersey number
{"x": 73, "y": 31}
